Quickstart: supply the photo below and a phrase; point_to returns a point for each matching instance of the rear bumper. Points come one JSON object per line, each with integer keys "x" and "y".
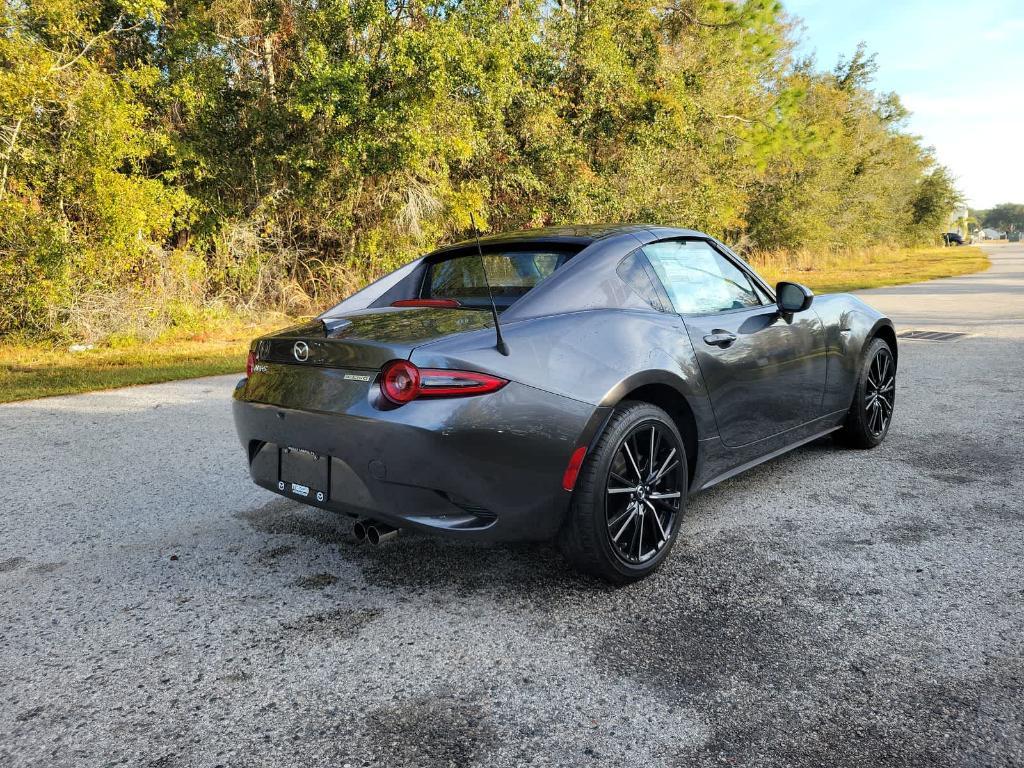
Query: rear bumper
{"x": 487, "y": 468}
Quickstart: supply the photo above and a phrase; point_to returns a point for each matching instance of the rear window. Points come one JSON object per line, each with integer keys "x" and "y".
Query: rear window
{"x": 511, "y": 274}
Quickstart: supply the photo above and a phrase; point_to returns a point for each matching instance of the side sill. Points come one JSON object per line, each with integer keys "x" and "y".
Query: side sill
{"x": 767, "y": 457}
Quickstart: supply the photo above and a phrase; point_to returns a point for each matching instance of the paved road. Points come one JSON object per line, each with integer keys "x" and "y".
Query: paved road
{"x": 832, "y": 608}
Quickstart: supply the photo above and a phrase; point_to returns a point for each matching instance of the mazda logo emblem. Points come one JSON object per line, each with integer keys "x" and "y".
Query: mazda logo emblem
{"x": 301, "y": 351}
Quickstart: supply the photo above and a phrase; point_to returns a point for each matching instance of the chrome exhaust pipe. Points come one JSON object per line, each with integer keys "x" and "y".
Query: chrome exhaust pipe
{"x": 378, "y": 533}
{"x": 359, "y": 528}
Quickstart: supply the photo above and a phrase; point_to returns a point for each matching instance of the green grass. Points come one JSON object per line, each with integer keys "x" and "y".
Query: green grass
{"x": 868, "y": 268}
{"x": 28, "y": 371}
{"x": 31, "y": 371}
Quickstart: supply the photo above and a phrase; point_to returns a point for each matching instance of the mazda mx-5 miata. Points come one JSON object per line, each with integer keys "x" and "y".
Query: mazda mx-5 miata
{"x": 631, "y": 367}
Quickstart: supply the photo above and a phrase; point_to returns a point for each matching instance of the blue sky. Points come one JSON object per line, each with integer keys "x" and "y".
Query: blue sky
{"x": 957, "y": 65}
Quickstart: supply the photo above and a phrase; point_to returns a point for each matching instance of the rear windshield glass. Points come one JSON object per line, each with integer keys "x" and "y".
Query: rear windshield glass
{"x": 511, "y": 275}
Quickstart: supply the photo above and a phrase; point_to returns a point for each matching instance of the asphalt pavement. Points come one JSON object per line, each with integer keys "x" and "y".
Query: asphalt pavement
{"x": 830, "y": 608}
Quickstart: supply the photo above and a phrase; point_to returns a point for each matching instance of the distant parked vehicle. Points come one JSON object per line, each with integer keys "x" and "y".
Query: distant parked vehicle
{"x": 952, "y": 238}
{"x": 1013, "y": 237}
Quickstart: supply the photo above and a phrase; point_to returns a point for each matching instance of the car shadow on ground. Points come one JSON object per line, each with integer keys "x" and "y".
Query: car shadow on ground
{"x": 419, "y": 561}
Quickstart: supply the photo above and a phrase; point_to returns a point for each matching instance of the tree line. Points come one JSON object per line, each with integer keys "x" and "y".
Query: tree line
{"x": 158, "y": 157}
{"x": 1008, "y": 217}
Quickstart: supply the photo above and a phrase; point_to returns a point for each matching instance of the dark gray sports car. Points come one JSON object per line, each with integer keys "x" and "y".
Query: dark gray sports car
{"x": 633, "y": 366}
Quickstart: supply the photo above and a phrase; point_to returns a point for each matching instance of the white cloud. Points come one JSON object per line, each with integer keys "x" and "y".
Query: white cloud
{"x": 976, "y": 136}
{"x": 956, "y": 66}
{"x": 1009, "y": 29}
{"x": 979, "y": 151}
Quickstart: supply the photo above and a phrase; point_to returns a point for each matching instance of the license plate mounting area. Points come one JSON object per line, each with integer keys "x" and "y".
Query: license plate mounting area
{"x": 304, "y": 473}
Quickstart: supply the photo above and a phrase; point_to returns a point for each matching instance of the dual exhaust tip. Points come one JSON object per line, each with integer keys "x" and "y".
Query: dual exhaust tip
{"x": 373, "y": 531}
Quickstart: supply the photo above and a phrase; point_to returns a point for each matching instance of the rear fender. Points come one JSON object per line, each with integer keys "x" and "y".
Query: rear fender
{"x": 592, "y": 356}
{"x": 686, "y": 403}
{"x": 598, "y": 357}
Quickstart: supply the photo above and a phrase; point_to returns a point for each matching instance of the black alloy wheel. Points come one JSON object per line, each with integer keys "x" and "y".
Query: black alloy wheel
{"x": 880, "y": 392}
{"x": 874, "y": 400}
{"x": 630, "y": 496}
{"x": 644, "y": 493}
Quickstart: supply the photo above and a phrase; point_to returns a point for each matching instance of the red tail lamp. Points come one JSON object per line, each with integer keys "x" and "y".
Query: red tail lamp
{"x": 402, "y": 382}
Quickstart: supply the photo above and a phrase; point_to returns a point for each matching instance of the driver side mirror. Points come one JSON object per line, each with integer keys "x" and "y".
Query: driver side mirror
{"x": 793, "y": 297}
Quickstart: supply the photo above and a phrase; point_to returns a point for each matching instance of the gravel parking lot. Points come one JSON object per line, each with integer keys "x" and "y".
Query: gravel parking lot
{"x": 831, "y": 608}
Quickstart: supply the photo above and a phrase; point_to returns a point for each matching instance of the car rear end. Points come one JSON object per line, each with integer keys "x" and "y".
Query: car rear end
{"x": 335, "y": 413}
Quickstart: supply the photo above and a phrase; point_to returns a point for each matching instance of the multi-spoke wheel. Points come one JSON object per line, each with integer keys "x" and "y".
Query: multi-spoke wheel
{"x": 629, "y": 497}
{"x": 874, "y": 399}
{"x": 643, "y": 492}
{"x": 880, "y": 392}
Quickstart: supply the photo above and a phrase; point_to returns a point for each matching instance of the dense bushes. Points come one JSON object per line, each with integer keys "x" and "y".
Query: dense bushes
{"x": 159, "y": 158}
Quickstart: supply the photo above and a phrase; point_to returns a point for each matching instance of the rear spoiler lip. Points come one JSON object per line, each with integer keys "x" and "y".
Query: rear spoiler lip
{"x": 331, "y": 324}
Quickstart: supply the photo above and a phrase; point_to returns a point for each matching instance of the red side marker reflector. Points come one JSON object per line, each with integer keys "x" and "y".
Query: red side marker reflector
{"x": 442, "y": 303}
{"x": 571, "y": 471}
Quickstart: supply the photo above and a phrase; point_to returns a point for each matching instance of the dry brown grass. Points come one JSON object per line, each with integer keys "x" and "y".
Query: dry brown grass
{"x": 206, "y": 342}
{"x": 39, "y": 370}
{"x": 848, "y": 270}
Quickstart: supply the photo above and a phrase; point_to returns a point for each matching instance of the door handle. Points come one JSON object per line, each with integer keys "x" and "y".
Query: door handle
{"x": 720, "y": 339}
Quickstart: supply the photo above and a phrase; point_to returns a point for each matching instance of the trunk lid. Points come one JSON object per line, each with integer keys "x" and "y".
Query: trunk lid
{"x": 368, "y": 339}
{"x": 330, "y": 364}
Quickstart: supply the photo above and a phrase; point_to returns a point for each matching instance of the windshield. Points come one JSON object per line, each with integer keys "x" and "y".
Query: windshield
{"x": 511, "y": 275}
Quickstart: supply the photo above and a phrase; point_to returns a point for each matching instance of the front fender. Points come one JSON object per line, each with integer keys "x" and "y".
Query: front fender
{"x": 849, "y": 325}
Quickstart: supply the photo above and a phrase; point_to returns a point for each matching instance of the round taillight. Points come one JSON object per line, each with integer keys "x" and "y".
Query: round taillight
{"x": 400, "y": 382}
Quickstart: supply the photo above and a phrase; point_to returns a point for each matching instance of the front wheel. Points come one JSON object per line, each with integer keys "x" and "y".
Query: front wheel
{"x": 874, "y": 399}
{"x": 629, "y": 497}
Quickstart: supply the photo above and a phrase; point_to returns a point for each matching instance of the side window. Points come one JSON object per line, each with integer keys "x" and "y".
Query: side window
{"x": 632, "y": 270}
{"x": 699, "y": 279}
{"x": 765, "y": 298}
{"x": 762, "y": 294}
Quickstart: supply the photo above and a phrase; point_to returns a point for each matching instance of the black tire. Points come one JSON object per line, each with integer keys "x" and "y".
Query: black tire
{"x": 603, "y": 489}
{"x": 870, "y": 415}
